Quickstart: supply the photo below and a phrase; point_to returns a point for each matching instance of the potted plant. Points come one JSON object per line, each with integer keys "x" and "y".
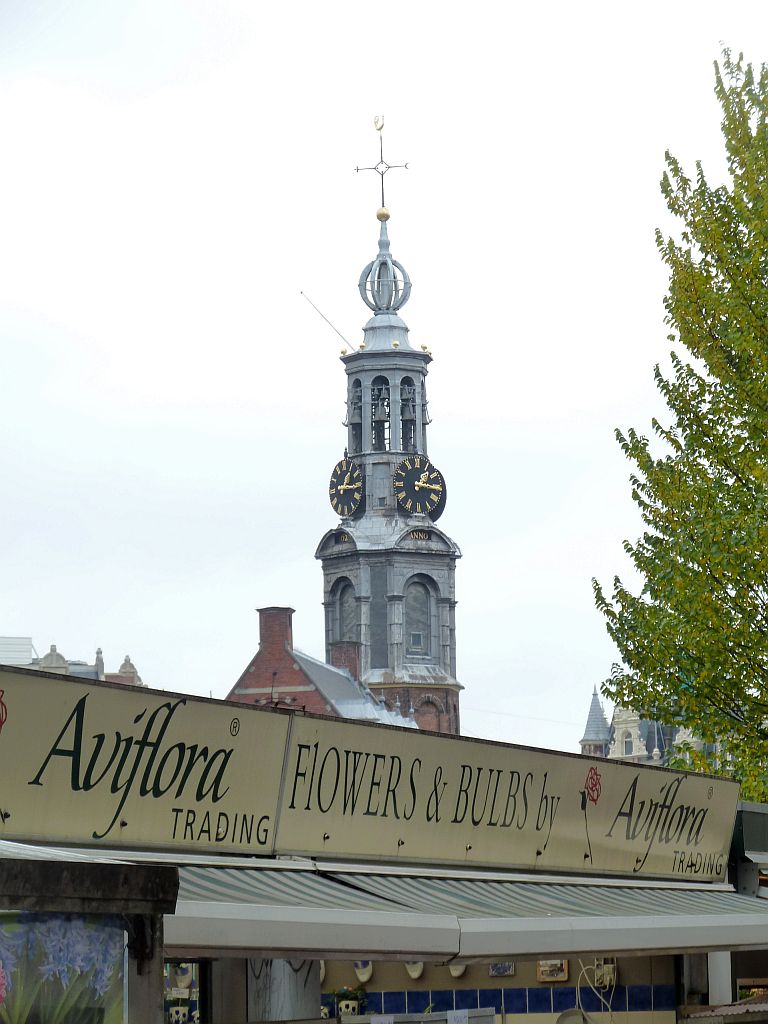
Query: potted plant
{"x": 349, "y": 1001}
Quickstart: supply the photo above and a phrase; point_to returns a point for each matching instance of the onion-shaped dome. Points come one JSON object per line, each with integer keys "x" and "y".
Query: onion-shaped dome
{"x": 384, "y": 284}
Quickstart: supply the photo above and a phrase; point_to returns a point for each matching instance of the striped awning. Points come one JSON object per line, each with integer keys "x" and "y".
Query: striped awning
{"x": 331, "y": 911}
{"x": 237, "y": 911}
{"x": 242, "y": 906}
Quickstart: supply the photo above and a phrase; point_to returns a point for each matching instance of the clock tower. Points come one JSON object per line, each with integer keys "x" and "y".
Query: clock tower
{"x": 388, "y": 569}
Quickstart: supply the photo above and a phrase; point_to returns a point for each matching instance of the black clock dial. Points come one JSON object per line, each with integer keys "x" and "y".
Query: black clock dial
{"x": 346, "y": 488}
{"x": 419, "y": 487}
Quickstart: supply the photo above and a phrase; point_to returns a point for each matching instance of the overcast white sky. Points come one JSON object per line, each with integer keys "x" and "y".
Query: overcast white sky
{"x": 175, "y": 172}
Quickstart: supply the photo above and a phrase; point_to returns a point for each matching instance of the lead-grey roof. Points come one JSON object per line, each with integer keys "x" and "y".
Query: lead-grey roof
{"x": 597, "y": 729}
{"x": 383, "y": 533}
{"x": 411, "y": 674}
{"x": 348, "y": 698}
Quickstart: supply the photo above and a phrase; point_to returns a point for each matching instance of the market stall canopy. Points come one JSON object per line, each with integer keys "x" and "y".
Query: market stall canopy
{"x": 336, "y": 911}
{"x": 235, "y": 906}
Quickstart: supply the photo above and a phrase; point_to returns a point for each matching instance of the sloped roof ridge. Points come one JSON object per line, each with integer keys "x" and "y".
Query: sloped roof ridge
{"x": 324, "y": 664}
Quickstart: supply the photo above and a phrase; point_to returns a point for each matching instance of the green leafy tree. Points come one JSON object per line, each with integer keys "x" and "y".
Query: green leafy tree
{"x": 694, "y": 641}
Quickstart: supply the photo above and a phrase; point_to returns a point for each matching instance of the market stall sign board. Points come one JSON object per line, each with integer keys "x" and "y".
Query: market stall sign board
{"x": 357, "y": 792}
{"x": 91, "y": 763}
{"x": 117, "y": 765}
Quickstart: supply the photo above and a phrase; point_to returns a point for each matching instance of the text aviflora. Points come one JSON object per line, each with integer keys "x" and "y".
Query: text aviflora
{"x": 659, "y": 821}
{"x": 127, "y": 761}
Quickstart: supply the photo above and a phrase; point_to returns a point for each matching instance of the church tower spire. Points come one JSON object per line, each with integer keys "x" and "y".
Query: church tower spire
{"x": 597, "y": 733}
{"x": 389, "y": 572}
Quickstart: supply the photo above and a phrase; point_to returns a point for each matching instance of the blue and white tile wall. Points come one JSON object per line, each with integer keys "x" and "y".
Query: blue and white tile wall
{"x": 541, "y": 999}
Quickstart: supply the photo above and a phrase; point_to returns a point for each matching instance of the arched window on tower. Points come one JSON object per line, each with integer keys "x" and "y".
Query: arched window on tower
{"x": 408, "y": 414}
{"x": 428, "y": 713}
{"x": 345, "y": 625}
{"x": 418, "y": 620}
{"x": 356, "y": 415}
{"x": 380, "y": 414}
{"x": 627, "y": 743}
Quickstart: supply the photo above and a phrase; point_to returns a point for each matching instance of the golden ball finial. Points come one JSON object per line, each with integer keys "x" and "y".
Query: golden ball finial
{"x": 382, "y": 213}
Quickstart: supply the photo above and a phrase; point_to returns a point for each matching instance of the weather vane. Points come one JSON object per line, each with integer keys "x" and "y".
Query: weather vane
{"x": 382, "y": 166}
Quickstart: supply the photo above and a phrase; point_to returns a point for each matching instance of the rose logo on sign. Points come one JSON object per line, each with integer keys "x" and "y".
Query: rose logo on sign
{"x": 590, "y": 795}
{"x": 592, "y": 785}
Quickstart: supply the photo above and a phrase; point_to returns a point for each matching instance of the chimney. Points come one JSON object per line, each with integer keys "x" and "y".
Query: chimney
{"x": 346, "y": 654}
{"x": 275, "y": 629}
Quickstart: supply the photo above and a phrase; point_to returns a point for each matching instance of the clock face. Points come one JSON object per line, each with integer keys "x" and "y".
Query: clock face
{"x": 346, "y": 488}
{"x": 419, "y": 487}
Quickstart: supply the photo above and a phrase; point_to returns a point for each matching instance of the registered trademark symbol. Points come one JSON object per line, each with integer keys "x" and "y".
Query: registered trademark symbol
{"x": 234, "y": 727}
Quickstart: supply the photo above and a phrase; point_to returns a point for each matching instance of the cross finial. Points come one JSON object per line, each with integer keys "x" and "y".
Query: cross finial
{"x": 382, "y": 166}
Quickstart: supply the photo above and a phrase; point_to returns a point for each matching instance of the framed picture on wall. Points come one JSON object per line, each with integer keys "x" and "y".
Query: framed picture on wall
{"x": 552, "y": 970}
{"x": 506, "y": 969}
